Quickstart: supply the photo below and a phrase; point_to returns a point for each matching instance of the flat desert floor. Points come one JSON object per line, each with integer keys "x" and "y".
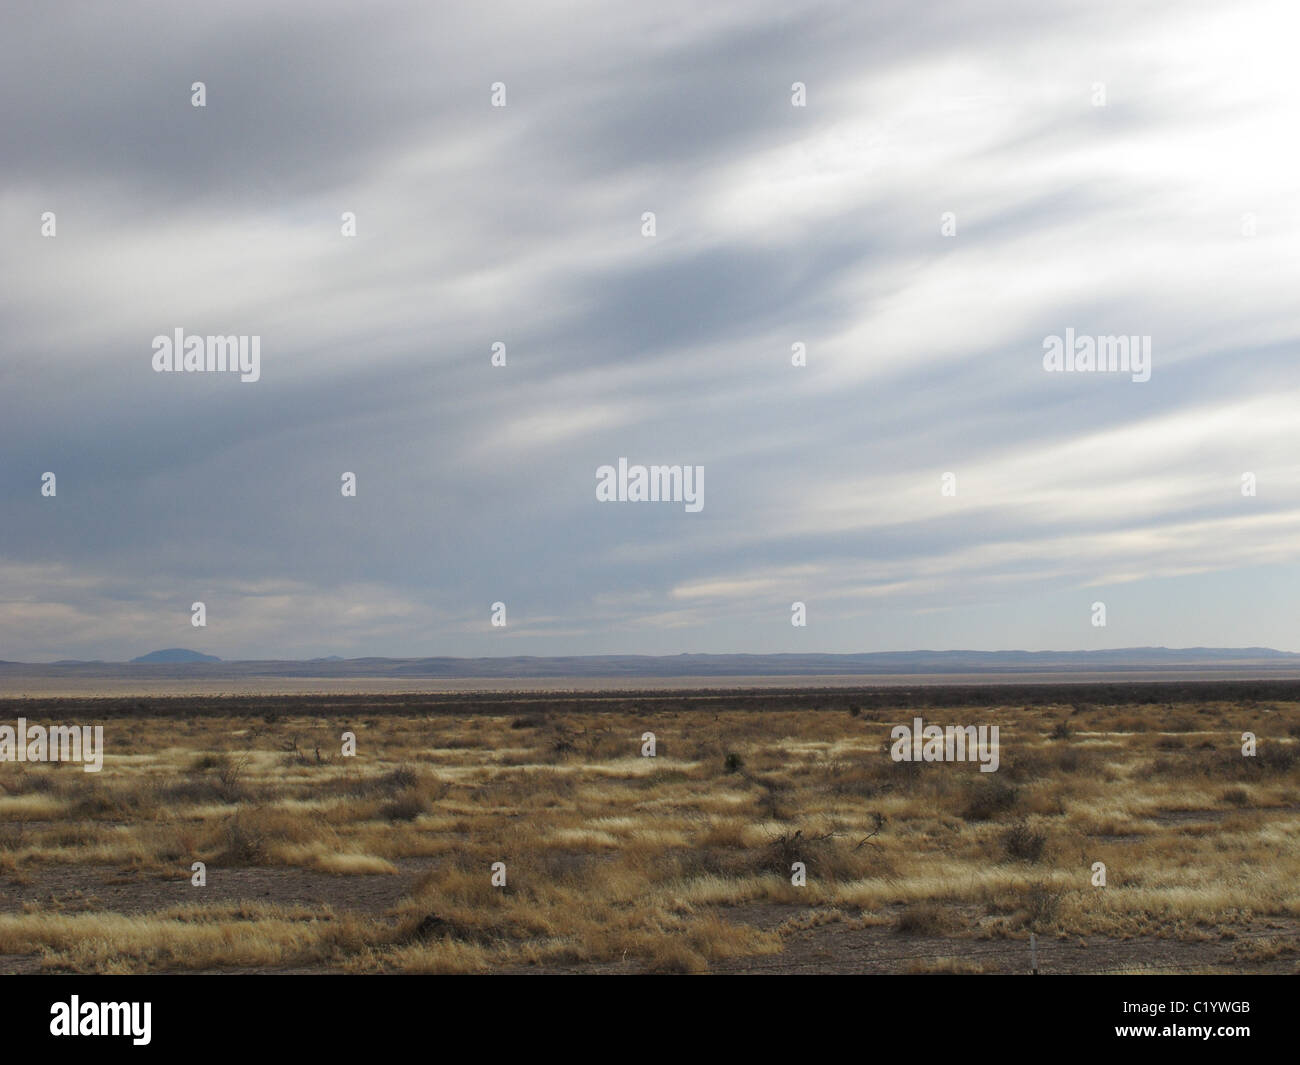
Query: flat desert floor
{"x": 770, "y": 832}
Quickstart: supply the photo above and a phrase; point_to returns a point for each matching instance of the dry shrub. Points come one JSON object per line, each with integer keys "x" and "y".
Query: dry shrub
{"x": 406, "y": 806}
{"x": 1069, "y": 760}
{"x": 243, "y": 843}
{"x": 924, "y": 918}
{"x": 1274, "y": 758}
{"x": 251, "y": 835}
{"x": 1022, "y": 843}
{"x": 851, "y": 778}
{"x": 1042, "y": 906}
{"x": 672, "y": 956}
{"x": 988, "y": 798}
{"x": 1025, "y": 767}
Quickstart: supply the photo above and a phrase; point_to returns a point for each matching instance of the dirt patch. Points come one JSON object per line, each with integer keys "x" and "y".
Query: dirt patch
{"x": 98, "y": 889}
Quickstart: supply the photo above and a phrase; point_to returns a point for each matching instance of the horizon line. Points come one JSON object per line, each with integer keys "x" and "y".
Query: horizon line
{"x": 640, "y": 654}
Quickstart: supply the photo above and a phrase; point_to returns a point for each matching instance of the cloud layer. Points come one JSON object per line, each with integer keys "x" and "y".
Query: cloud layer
{"x": 1169, "y": 212}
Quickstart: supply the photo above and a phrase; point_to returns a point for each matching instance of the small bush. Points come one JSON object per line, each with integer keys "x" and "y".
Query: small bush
{"x": 231, "y": 775}
{"x": 244, "y": 842}
{"x": 403, "y": 778}
{"x": 407, "y": 806}
{"x": 1027, "y": 766}
{"x": 988, "y": 799}
{"x": 1042, "y": 904}
{"x": 1022, "y": 843}
{"x": 1274, "y": 758}
{"x": 925, "y": 918}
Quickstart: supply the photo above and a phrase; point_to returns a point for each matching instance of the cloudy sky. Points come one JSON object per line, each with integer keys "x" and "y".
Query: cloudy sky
{"x": 1111, "y": 168}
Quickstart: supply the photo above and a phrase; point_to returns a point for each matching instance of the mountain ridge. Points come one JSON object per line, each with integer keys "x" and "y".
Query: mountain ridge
{"x": 704, "y": 665}
{"x": 171, "y": 656}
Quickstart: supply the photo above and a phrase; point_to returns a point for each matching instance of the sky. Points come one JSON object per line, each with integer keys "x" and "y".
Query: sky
{"x": 953, "y": 185}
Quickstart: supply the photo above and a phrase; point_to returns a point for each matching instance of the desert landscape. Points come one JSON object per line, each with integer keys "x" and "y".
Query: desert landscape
{"x": 522, "y": 832}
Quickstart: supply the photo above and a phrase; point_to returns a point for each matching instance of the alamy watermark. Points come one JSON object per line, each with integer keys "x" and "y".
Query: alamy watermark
{"x": 919, "y": 742}
{"x": 651, "y": 484}
{"x": 57, "y": 743}
{"x": 77, "y": 1018}
{"x": 1089, "y": 354}
{"x": 208, "y": 354}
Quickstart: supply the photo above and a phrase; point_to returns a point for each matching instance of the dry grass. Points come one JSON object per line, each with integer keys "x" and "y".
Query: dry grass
{"x": 628, "y": 862}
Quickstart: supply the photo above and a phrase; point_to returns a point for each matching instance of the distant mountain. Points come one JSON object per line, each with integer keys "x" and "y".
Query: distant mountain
{"x": 171, "y": 656}
{"x": 1138, "y": 659}
{"x": 1132, "y": 662}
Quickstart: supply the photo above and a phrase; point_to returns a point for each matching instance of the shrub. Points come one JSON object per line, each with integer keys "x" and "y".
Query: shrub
{"x": 244, "y": 842}
{"x": 231, "y": 775}
{"x": 406, "y": 806}
{"x": 925, "y": 918}
{"x": 1042, "y": 904}
{"x": 1275, "y": 758}
{"x": 403, "y": 778}
{"x": 1022, "y": 843}
{"x": 988, "y": 799}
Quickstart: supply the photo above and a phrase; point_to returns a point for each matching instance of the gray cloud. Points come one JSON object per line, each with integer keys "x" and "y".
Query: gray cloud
{"x": 776, "y": 225}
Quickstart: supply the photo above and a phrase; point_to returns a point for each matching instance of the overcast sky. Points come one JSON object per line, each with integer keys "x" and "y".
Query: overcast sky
{"x": 1111, "y": 168}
